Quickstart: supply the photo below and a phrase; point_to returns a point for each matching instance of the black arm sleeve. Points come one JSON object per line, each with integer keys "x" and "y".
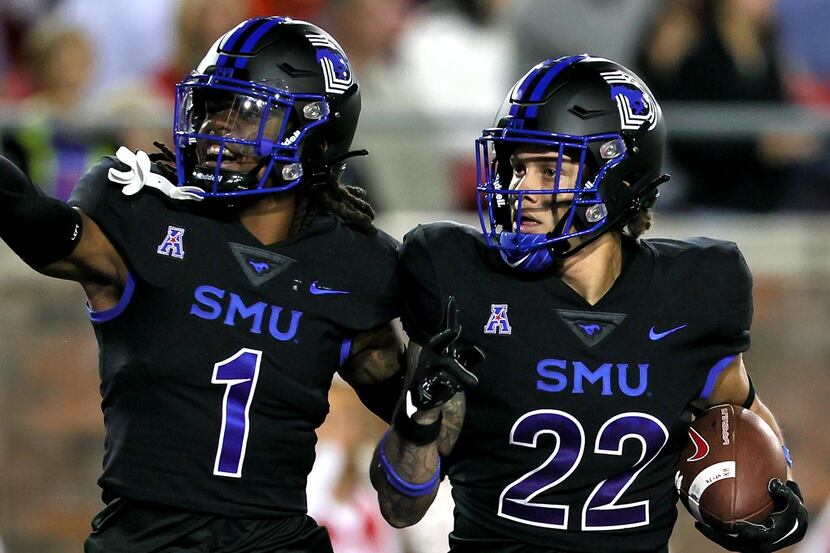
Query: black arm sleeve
{"x": 38, "y": 228}
{"x": 382, "y": 398}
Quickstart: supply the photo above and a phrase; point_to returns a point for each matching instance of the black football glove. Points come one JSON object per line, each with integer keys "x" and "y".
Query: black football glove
{"x": 782, "y": 528}
{"x": 443, "y": 368}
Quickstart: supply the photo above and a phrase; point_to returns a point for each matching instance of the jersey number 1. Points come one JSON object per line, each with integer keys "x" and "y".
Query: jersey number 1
{"x": 239, "y": 375}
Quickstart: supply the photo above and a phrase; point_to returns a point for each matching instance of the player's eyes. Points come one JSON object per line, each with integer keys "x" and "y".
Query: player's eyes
{"x": 550, "y": 172}
{"x": 251, "y": 109}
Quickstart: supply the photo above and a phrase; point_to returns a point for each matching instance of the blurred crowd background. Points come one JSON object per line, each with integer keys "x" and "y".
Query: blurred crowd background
{"x": 745, "y": 86}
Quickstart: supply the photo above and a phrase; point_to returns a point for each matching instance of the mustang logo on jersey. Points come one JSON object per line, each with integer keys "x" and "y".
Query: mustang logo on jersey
{"x": 259, "y": 267}
{"x": 559, "y": 375}
{"x": 590, "y": 329}
{"x": 172, "y": 245}
{"x": 209, "y": 306}
{"x": 498, "y": 322}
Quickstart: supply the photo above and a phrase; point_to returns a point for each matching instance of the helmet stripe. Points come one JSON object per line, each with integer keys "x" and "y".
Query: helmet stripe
{"x": 529, "y": 80}
{"x": 248, "y": 34}
{"x": 532, "y": 76}
{"x": 539, "y": 90}
{"x": 542, "y": 86}
{"x": 250, "y": 44}
{"x": 537, "y": 81}
{"x": 234, "y": 38}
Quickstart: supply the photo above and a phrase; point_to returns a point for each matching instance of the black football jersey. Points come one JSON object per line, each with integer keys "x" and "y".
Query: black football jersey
{"x": 572, "y": 436}
{"x": 216, "y": 363}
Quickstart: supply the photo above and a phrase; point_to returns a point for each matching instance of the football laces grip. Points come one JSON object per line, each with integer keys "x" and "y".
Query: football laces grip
{"x": 139, "y": 175}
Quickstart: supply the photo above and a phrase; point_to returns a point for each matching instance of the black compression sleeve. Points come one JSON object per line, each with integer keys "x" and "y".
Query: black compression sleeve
{"x": 382, "y": 397}
{"x": 38, "y": 228}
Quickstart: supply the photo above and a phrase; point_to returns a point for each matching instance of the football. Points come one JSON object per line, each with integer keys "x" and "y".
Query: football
{"x": 723, "y": 473}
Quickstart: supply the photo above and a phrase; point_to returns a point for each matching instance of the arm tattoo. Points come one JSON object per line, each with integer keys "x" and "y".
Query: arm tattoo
{"x": 413, "y": 352}
{"x": 380, "y": 363}
{"x": 376, "y": 357}
{"x": 453, "y": 412}
{"x": 374, "y": 371}
{"x": 414, "y": 464}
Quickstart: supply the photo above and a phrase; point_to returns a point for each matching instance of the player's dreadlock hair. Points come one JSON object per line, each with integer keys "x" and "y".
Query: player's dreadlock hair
{"x": 324, "y": 195}
{"x": 346, "y": 201}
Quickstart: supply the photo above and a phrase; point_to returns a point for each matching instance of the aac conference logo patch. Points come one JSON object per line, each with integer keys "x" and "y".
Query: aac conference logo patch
{"x": 498, "y": 322}
{"x": 173, "y": 243}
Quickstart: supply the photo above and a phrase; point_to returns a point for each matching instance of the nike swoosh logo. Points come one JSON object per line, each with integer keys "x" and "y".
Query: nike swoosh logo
{"x": 660, "y": 335}
{"x": 410, "y": 406}
{"x": 787, "y": 535}
{"x": 320, "y": 291}
{"x": 516, "y": 264}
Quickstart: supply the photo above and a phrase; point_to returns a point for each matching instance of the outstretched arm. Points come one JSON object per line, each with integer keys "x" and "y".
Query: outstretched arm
{"x": 57, "y": 240}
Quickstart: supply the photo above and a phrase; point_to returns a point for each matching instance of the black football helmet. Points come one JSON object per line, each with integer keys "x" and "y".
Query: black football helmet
{"x": 594, "y": 112}
{"x": 273, "y": 104}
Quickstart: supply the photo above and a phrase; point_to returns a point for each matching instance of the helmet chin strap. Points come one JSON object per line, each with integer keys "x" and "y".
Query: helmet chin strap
{"x": 546, "y": 257}
{"x": 338, "y": 160}
{"x": 240, "y": 181}
{"x": 559, "y": 249}
{"x": 333, "y": 168}
{"x": 644, "y": 199}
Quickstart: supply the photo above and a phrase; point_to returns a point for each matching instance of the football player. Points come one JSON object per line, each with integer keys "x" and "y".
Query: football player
{"x": 223, "y": 304}
{"x": 599, "y": 345}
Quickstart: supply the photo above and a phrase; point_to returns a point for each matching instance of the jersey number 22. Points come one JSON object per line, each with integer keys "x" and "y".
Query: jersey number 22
{"x": 603, "y": 509}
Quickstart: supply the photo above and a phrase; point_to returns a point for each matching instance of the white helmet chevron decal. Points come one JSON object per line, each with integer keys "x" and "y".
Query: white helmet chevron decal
{"x": 618, "y": 77}
{"x": 334, "y": 83}
{"x": 322, "y": 41}
{"x": 634, "y": 104}
{"x": 336, "y": 69}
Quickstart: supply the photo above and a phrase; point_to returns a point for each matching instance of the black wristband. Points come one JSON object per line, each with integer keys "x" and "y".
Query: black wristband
{"x": 750, "y": 396}
{"x": 416, "y": 434}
